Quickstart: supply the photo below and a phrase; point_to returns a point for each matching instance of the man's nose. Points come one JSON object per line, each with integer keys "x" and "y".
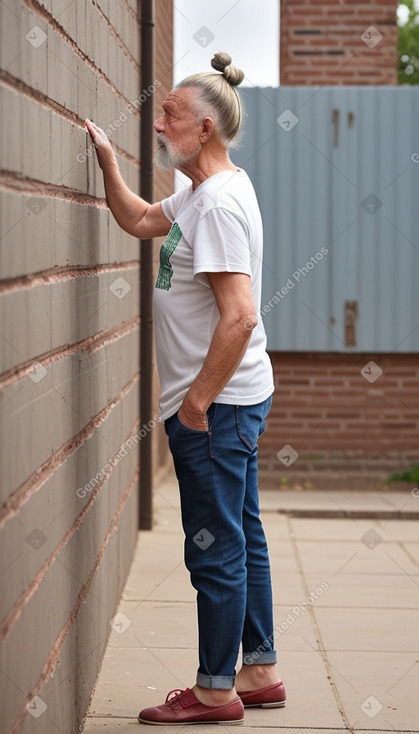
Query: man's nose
{"x": 158, "y": 124}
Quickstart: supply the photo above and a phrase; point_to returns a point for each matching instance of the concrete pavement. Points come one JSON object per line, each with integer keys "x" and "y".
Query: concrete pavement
{"x": 346, "y": 590}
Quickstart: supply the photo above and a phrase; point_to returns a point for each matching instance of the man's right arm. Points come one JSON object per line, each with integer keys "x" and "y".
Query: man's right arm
{"x": 133, "y": 214}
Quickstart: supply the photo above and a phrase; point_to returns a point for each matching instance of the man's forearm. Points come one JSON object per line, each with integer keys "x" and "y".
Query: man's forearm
{"x": 126, "y": 207}
{"x": 226, "y": 351}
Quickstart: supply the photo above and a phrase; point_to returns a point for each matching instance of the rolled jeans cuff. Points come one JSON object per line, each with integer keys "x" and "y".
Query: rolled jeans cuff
{"x": 259, "y": 658}
{"x": 215, "y": 681}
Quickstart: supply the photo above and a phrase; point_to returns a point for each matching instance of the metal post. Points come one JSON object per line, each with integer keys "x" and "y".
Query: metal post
{"x": 146, "y": 12}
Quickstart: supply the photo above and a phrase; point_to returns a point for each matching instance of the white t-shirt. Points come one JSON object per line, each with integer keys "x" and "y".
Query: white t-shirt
{"x": 216, "y": 228}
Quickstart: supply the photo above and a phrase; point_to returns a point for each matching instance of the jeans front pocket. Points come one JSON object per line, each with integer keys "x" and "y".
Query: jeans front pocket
{"x": 175, "y": 420}
{"x": 185, "y": 441}
{"x": 210, "y": 417}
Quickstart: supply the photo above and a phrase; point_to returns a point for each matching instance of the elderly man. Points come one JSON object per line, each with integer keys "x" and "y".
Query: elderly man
{"x": 217, "y": 385}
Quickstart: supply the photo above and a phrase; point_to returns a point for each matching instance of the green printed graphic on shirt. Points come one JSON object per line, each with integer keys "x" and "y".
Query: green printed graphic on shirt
{"x": 167, "y": 249}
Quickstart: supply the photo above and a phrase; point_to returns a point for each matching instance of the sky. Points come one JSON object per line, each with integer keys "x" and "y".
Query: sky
{"x": 246, "y": 29}
{"x": 403, "y": 11}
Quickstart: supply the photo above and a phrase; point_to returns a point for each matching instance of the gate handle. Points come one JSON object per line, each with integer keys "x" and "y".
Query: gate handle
{"x": 335, "y": 122}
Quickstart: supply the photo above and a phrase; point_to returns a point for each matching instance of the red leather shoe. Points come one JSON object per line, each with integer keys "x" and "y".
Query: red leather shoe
{"x": 268, "y": 697}
{"x": 183, "y": 707}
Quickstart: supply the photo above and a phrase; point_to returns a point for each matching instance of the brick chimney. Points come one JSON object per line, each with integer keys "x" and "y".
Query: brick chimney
{"x": 338, "y": 42}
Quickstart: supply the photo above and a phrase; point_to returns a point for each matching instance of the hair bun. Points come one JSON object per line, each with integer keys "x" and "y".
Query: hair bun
{"x": 222, "y": 62}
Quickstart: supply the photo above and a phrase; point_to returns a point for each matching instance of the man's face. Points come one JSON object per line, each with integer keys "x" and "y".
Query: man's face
{"x": 178, "y": 129}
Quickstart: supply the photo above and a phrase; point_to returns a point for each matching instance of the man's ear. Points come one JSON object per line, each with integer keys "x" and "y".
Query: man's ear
{"x": 207, "y": 129}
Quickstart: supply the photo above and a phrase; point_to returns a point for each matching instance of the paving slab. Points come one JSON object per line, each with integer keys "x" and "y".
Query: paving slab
{"x": 345, "y": 649}
{"x": 341, "y": 503}
{"x": 352, "y": 529}
{"x": 293, "y": 630}
{"x": 126, "y": 726}
{"x": 378, "y": 688}
{"x": 386, "y": 558}
{"x": 358, "y": 628}
{"x": 369, "y": 591}
{"x": 158, "y": 624}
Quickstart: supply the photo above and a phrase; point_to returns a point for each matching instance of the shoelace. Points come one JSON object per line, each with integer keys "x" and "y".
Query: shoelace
{"x": 175, "y": 693}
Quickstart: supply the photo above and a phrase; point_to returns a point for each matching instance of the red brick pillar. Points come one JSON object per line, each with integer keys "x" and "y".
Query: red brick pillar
{"x": 338, "y": 42}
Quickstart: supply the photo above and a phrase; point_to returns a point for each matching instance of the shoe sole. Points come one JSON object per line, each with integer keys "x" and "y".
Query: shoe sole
{"x": 274, "y": 705}
{"x": 191, "y": 723}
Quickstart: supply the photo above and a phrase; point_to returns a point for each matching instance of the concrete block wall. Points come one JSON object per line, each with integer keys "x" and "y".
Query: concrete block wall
{"x": 345, "y": 42}
{"x": 69, "y": 350}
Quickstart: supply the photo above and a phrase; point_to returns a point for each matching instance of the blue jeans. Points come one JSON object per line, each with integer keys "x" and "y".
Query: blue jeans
{"x": 225, "y": 546}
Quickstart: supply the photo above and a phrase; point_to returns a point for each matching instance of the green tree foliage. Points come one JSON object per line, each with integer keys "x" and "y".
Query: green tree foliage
{"x": 408, "y": 44}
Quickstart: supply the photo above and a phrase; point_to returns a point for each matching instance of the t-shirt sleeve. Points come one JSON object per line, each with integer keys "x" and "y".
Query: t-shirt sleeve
{"x": 173, "y": 203}
{"x": 220, "y": 244}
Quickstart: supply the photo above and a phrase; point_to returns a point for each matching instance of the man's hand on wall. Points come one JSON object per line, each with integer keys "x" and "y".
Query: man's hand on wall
{"x": 103, "y": 147}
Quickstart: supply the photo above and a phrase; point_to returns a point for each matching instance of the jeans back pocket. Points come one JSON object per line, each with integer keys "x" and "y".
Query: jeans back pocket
{"x": 250, "y": 422}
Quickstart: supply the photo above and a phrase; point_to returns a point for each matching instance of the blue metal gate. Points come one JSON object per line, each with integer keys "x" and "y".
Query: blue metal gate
{"x": 336, "y": 171}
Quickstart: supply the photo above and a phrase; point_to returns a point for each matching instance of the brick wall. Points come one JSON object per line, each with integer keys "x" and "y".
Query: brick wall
{"x": 345, "y": 42}
{"x": 69, "y": 329}
{"x": 341, "y": 423}
{"x": 343, "y": 427}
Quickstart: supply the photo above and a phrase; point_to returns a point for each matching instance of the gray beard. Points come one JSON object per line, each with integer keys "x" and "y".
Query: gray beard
{"x": 166, "y": 157}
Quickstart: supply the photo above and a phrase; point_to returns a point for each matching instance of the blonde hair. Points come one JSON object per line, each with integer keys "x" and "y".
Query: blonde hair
{"x": 219, "y": 98}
